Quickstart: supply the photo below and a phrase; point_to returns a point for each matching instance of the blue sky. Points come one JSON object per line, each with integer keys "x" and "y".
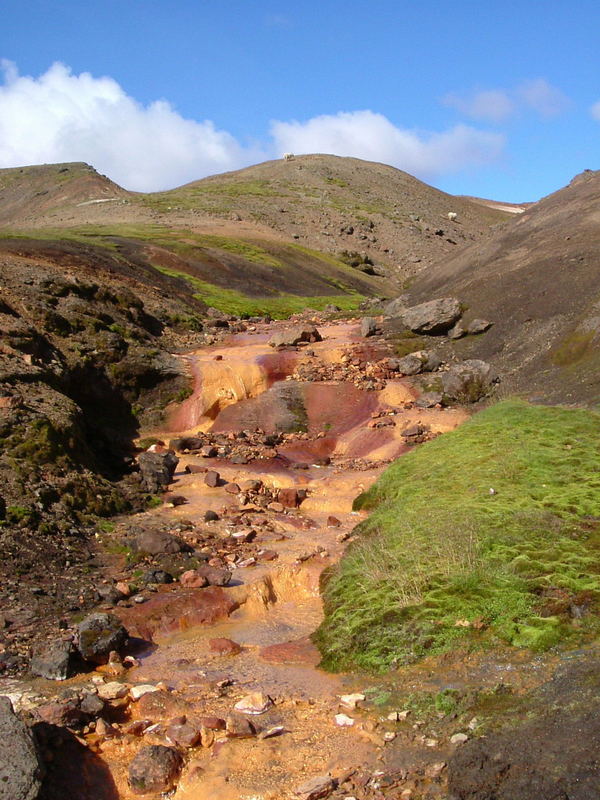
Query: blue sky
{"x": 496, "y": 100}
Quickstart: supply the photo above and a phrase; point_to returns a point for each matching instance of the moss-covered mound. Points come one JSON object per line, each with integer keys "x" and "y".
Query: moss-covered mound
{"x": 489, "y": 534}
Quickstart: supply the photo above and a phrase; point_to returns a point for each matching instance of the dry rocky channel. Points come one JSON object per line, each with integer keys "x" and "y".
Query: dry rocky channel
{"x": 200, "y": 677}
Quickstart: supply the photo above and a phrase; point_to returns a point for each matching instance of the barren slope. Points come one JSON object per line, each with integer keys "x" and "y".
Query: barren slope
{"x": 538, "y": 281}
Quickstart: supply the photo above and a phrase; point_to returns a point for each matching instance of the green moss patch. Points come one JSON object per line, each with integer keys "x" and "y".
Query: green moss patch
{"x": 444, "y": 561}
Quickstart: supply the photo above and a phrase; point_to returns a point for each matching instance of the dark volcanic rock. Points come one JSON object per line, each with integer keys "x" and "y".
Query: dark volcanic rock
{"x": 20, "y": 769}
{"x": 98, "y": 635}
{"x": 157, "y": 470}
{"x": 53, "y": 661}
{"x": 154, "y": 769}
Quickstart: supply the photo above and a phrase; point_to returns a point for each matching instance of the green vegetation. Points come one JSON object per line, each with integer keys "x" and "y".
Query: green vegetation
{"x": 572, "y": 348}
{"x": 278, "y": 306}
{"x": 444, "y": 562}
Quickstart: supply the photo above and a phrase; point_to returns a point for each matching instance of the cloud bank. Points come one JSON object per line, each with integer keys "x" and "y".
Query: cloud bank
{"x": 60, "y": 116}
{"x": 364, "y": 134}
{"x": 497, "y": 105}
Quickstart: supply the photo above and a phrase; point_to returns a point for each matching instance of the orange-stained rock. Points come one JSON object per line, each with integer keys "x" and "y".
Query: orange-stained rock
{"x": 224, "y": 647}
{"x": 301, "y": 651}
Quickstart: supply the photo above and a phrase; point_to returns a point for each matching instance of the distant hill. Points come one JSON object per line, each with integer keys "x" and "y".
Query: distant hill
{"x": 322, "y": 202}
{"x": 538, "y": 280}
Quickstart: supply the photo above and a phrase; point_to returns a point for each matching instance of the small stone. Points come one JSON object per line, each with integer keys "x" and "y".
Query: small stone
{"x": 333, "y": 522}
{"x": 288, "y": 498}
{"x": 212, "y": 723}
{"x": 352, "y": 700}
{"x": 254, "y": 703}
{"x": 276, "y": 507}
{"x": 344, "y": 721}
{"x": 98, "y": 635}
{"x": 232, "y": 488}
{"x": 208, "y": 451}
{"x": 210, "y": 516}
{"x": 112, "y": 690}
{"x": 91, "y": 704}
{"x": 191, "y": 579}
{"x": 277, "y": 730}
{"x": 389, "y": 736}
{"x": 459, "y": 738}
{"x": 184, "y": 734}
{"x": 53, "y": 661}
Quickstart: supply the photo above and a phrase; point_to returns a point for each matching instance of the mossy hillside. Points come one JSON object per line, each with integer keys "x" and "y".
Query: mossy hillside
{"x": 443, "y": 561}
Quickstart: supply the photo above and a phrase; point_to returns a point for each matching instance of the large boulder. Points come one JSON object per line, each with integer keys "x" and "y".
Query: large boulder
{"x": 468, "y": 381}
{"x": 294, "y": 335}
{"x": 98, "y": 635}
{"x": 157, "y": 470}
{"x": 434, "y": 317}
{"x": 20, "y": 768}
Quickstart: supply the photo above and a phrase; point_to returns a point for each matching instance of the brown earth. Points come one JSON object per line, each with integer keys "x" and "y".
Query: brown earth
{"x": 537, "y": 280}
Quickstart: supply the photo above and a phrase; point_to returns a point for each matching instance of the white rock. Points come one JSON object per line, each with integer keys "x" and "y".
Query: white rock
{"x": 389, "y": 736}
{"x": 459, "y": 738}
{"x": 144, "y": 688}
{"x": 344, "y": 721}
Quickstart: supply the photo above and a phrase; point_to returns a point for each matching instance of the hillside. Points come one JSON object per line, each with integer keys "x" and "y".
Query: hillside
{"x": 537, "y": 280}
{"x": 322, "y": 202}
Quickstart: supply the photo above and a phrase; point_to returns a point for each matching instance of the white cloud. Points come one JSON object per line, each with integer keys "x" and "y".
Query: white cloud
{"x": 542, "y": 97}
{"x": 64, "y": 117}
{"x": 496, "y": 105}
{"x": 365, "y": 134}
{"x": 60, "y": 116}
{"x": 595, "y": 111}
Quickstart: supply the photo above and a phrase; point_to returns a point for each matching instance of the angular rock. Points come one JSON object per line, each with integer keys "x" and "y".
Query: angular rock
{"x": 192, "y": 580}
{"x": 212, "y": 723}
{"x": 315, "y": 788}
{"x": 434, "y": 317}
{"x": 468, "y": 381}
{"x": 157, "y": 470}
{"x": 215, "y": 576}
{"x": 98, "y": 635}
{"x": 66, "y": 714}
{"x": 368, "y": 327}
{"x": 457, "y": 331}
{"x": 154, "y": 769}
{"x": 254, "y": 703}
{"x": 92, "y": 704}
{"x": 288, "y": 498}
{"x": 54, "y": 661}
{"x": 232, "y": 488}
{"x": 212, "y": 478}
{"x": 112, "y": 690}
{"x": 333, "y": 522}
{"x": 210, "y": 516}
{"x": 429, "y": 400}
{"x": 294, "y": 335}
{"x": 395, "y": 307}
{"x": 409, "y": 365}
{"x": 238, "y": 727}
{"x": 184, "y": 734}
{"x": 208, "y": 451}
{"x": 477, "y": 326}
{"x": 20, "y": 766}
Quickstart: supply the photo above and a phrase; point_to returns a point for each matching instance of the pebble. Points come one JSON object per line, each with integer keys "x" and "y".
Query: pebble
{"x": 351, "y": 700}
{"x": 112, "y": 690}
{"x": 459, "y": 738}
{"x": 343, "y": 721}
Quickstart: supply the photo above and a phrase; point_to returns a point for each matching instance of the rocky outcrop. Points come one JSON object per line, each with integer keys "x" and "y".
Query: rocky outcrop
{"x": 20, "y": 767}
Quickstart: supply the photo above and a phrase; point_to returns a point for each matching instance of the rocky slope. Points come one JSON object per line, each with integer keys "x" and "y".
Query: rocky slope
{"x": 537, "y": 281}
